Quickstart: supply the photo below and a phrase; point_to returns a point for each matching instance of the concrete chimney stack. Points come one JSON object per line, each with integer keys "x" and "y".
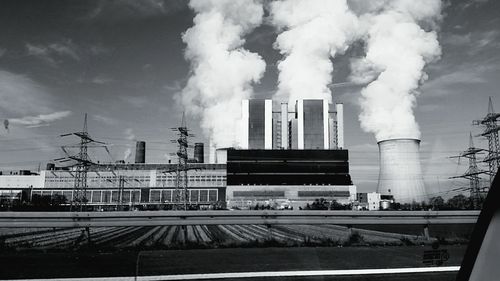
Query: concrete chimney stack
{"x": 400, "y": 173}
{"x": 140, "y": 152}
{"x": 199, "y": 153}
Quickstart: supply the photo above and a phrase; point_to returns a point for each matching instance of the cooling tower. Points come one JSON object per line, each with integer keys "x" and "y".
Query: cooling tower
{"x": 140, "y": 152}
{"x": 199, "y": 152}
{"x": 400, "y": 173}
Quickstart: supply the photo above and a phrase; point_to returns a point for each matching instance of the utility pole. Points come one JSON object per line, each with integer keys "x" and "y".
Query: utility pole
{"x": 81, "y": 168}
{"x": 491, "y": 128}
{"x": 181, "y": 181}
{"x": 472, "y": 173}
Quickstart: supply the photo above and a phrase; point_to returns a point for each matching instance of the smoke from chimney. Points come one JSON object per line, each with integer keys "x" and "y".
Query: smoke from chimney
{"x": 397, "y": 49}
{"x": 222, "y": 71}
{"x": 312, "y": 32}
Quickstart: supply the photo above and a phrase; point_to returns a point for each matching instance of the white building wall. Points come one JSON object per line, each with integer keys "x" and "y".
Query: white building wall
{"x": 284, "y": 125}
{"x": 268, "y": 125}
{"x": 19, "y": 181}
{"x": 300, "y": 124}
{"x": 326, "y": 125}
{"x": 245, "y": 109}
{"x": 340, "y": 125}
{"x": 373, "y": 199}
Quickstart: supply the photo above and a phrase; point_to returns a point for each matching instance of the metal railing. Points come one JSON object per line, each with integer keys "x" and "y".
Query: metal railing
{"x": 157, "y": 218}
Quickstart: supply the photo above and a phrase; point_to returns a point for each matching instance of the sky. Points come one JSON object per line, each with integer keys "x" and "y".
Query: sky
{"x": 122, "y": 62}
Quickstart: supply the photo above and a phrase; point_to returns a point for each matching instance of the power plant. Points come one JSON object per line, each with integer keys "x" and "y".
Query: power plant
{"x": 289, "y": 154}
{"x": 400, "y": 175}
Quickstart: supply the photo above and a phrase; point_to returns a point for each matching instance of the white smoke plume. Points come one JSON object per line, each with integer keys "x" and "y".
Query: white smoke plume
{"x": 312, "y": 32}
{"x": 129, "y": 135}
{"x": 222, "y": 71}
{"x": 397, "y": 49}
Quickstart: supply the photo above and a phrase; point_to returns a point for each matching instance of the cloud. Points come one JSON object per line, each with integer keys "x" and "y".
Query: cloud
{"x": 447, "y": 83}
{"x": 99, "y": 50}
{"x": 175, "y": 86}
{"x": 53, "y": 53}
{"x": 65, "y": 49}
{"x": 101, "y": 80}
{"x": 40, "y": 120}
{"x": 104, "y": 119}
{"x": 21, "y": 95}
{"x": 114, "y": 10}
{"x": 135, "y": 101}
{"x": 472, "y": 3}
{"x": 2, "y": 52}
{"x": 40, "y": 52}
{"x": 474, "y": 42}
{"x": 129, "y": 134}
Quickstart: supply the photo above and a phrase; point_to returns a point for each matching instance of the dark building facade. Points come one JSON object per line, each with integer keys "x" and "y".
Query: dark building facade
{"x": 288, "y": 167}
{"x": 313, "y": 124}
{"x": 256, "y": 123}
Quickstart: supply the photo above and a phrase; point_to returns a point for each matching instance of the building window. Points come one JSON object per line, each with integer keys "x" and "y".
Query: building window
{"x": 126, "y": 197}
{"x": 106, "y": 196}
{"x": 212, "y": 195}
{"x": 96, "y": 196}
{"x": 193, "y": 195}
{"x": 155, "y": 196}
{"x": 203, "y": 195}
{"x": 114, "y": 196}
{"x": 136, "y": 196}
{"x": 166, "y": 195}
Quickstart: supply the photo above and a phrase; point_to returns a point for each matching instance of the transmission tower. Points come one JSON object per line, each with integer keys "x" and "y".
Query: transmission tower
{"x": 472, "y": 173}
{"x": 81, "y": 168}
{"x": 181, "y": 181}
{"x": 491, "y": 128}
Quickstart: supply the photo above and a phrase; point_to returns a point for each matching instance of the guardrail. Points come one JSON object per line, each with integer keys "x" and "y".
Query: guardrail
{"x": 156, "y": 218}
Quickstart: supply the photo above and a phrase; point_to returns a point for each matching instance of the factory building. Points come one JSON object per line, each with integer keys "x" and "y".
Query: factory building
{"x": 131, "y": 185}
{"x": 257, "y": 124}
{"x": 293, "y": 156}
{"x": 313, "y": 124}
{"x": 368, "y": 201}
{"x": 297, "y": 177}
{"x": 113, "y": 185}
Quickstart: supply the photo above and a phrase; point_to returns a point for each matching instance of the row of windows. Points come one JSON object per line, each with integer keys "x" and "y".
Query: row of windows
{"x": 96, "y": 196}
{"x": 135, "y": 182}
{"x": 134, "y": 196}
{"x": 194, "y": 195}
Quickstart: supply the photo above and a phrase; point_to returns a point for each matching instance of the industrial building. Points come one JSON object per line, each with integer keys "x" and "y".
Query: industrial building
{"x": 124, "y": 185}
{"x": 313, "y": 124}
{"x": 400, "y": 175}
{"x": 293, "y": 156}
{"x": 293, "y": 177}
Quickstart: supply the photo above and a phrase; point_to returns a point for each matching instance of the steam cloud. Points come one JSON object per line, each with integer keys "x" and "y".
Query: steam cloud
{"x": 129, "y": 135}
{"x": 312, "y": 32}
{"x": 397, "y": 49}
{"x": 222, "y": 71}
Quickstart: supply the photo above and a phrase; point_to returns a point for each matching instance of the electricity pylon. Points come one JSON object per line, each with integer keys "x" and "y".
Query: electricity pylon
{"x": 472, "y": 173}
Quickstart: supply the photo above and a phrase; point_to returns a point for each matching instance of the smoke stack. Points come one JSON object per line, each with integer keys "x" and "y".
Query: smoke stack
{"x": 140, "y": 152}
{"x": 199, "y": 152}
{"x": 400, "y": 173}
